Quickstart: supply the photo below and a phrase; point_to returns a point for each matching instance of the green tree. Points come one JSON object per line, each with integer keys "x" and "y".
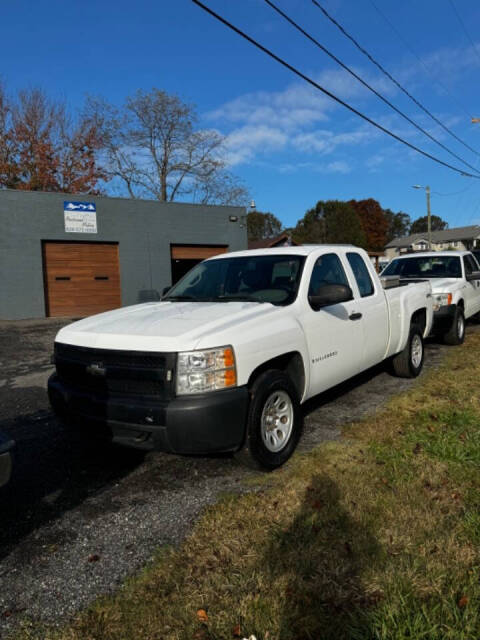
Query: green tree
{"x": 420, "y": 225}
{"x": 398, "y": 224}
{"x": 262, "y": 225}
{"x": 331, "y": 221}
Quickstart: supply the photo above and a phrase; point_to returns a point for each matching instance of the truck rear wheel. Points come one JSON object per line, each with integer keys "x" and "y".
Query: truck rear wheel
{"x": 409, "y": 362}
{"x": 274, "y": 423}
{"x": 456, "y": 334}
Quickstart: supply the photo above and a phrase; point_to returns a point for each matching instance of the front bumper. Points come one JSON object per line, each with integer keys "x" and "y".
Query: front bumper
{"x": 204, "y": 423}
{"x": 443, "y": 319}
{"x": 6, "y": 446}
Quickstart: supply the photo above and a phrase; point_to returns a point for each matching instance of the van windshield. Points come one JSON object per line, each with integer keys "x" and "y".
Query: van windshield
{"x": 265, "y": 278}
{"x": 425, "y": 267}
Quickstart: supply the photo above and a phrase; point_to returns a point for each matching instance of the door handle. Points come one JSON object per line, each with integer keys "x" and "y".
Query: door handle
{"x": 355, "y": 315}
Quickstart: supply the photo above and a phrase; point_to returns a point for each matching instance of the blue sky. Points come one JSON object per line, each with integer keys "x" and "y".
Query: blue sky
{"x": 289, "y": 143}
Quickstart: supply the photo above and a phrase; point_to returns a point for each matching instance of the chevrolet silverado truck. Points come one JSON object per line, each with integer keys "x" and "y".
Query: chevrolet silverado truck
{"x": 455, "y": 280}
{"x": 225, "y": 360}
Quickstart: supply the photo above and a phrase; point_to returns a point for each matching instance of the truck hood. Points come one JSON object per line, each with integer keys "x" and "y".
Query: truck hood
{"x": 163, "y": 326}
{"x": 445, "y": 285}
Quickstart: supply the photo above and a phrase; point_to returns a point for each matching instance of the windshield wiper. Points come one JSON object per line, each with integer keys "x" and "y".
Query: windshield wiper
{"x": 179, "y": 298}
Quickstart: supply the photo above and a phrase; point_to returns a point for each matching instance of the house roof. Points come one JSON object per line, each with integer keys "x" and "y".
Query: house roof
{"x": 447, "y": 235}
{"x": 277, "y": 241}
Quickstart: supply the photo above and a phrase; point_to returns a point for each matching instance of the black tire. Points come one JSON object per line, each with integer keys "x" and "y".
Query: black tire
{"x": 255, "y": 451}
{"x": 407, "y": 364}
{"x": 456, "y": 333}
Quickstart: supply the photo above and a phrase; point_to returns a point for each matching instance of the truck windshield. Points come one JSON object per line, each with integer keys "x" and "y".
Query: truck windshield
{"x": 265, "y": 278}
{"x": 425, "y": 267}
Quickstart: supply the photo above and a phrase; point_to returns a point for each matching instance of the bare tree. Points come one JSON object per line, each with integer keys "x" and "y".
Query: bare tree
{"x": 154, "y": 148}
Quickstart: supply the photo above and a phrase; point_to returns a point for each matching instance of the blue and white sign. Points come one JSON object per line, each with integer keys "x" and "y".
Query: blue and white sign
{"x": 80, "y": 217}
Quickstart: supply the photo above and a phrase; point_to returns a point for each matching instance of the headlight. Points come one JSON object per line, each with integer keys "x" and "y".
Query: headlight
{"x": 441, "y": 300}
{"x": 206, "y": 370}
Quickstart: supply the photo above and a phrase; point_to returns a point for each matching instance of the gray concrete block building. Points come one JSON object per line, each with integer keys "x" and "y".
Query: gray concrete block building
{"x": 74, "y": 255}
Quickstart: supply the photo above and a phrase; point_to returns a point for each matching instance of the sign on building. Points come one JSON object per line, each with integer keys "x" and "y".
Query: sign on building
{"x": 80, "y": 217}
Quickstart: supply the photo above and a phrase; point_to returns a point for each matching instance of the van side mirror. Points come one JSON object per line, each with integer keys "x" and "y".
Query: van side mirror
{"x": 330, "y": 294}
{"x": 475, "y": 275}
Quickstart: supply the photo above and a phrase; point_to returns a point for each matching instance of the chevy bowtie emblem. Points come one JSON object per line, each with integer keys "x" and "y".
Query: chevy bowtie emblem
{"x": 96, "y": 369}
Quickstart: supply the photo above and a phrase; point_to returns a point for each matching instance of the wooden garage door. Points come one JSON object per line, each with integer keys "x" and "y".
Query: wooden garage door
{"x": 195, "y": 252}
{"x": 81, "y": 278}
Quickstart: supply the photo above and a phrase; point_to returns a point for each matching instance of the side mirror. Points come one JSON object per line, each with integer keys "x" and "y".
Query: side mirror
{"x": 165, "y": 290}
{"x": 330, "y": 294}
{"x": 475, "y": 275}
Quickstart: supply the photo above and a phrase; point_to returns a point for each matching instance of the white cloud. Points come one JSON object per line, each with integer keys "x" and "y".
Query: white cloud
{"x": 375, "y": 162}
{"x": 296, "y": 106}
{"x": 338, "y": 166}
{"x": 324, "y": 141}
{"x": 243, "y": 143}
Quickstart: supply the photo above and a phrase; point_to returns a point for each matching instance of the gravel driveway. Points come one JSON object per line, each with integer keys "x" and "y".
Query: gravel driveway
{"x": 77, "y": 519}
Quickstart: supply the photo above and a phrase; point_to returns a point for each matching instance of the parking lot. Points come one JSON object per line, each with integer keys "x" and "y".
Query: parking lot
{"x": 77, "y": 518}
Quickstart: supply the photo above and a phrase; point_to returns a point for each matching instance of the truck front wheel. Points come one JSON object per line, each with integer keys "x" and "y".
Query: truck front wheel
{"x": 274, "y": 422}
{"x": 409, "y": 362}
{"x": 456, "y": 334}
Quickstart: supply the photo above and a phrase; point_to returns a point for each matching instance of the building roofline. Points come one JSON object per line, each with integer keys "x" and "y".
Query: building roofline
{"x": 107, "y": 197}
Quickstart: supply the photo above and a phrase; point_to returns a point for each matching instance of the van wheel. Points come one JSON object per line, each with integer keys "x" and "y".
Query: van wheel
{"x": 456, "y": 334}
{"x": 409, "y": 362}
{"x": 274, "y": 422}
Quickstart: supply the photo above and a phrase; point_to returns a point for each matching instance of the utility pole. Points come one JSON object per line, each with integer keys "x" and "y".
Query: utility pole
{"x": 429, "y": 218}
{"x": 429, "y": 214}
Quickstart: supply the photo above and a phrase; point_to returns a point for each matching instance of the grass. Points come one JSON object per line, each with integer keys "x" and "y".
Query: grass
{"x": 372, "y": 537}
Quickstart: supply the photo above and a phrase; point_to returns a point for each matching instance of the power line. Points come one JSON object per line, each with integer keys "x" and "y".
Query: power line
{"x": 389, "y": 75}
{"x": 425, "y": 68}
{"x": 328, "y": 93}
{"x": 453, "y": 193}
{"x": 365, "y": 84}
{"x": 462, "y": 24}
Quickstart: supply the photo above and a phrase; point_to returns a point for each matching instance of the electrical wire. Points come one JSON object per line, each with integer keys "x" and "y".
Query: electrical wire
{"x": 389, "y": 75}
{"x": 425, "y": 68}
{"x": 453, "y": 193}
{"x": 328, "y": 93}
{"x": 462, "y": 24}
{"x": 365, "y": 84}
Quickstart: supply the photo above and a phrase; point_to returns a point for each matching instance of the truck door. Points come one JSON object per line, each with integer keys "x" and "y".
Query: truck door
{"x": 471, "y": 289}
{"x": 333, "y": 333}
{"x": 372, "y": 305}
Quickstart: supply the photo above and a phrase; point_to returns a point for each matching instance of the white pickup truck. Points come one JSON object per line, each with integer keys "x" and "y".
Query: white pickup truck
{"x": 224, "y": 361}
{"x": 455, "y": 280}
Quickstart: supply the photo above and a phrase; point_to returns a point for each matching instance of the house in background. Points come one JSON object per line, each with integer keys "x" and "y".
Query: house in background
{"x": 458, "y": 238}
{"x": 282, "y": 240}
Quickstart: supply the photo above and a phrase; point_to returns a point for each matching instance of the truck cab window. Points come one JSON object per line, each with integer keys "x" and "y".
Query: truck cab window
{"x": 327, "y": 270}
{"x": 469, "y": 264}
{"x": 360, "y": 271}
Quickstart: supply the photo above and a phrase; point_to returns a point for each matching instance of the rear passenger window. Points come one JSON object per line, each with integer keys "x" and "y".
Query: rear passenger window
{"x": 360, "y": 271}
{"x": 327, "y": 270}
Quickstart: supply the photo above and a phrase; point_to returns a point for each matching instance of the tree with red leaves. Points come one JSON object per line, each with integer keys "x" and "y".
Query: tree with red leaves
{"x": 42, "y": 148}
{"x": 374, "y": 222}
